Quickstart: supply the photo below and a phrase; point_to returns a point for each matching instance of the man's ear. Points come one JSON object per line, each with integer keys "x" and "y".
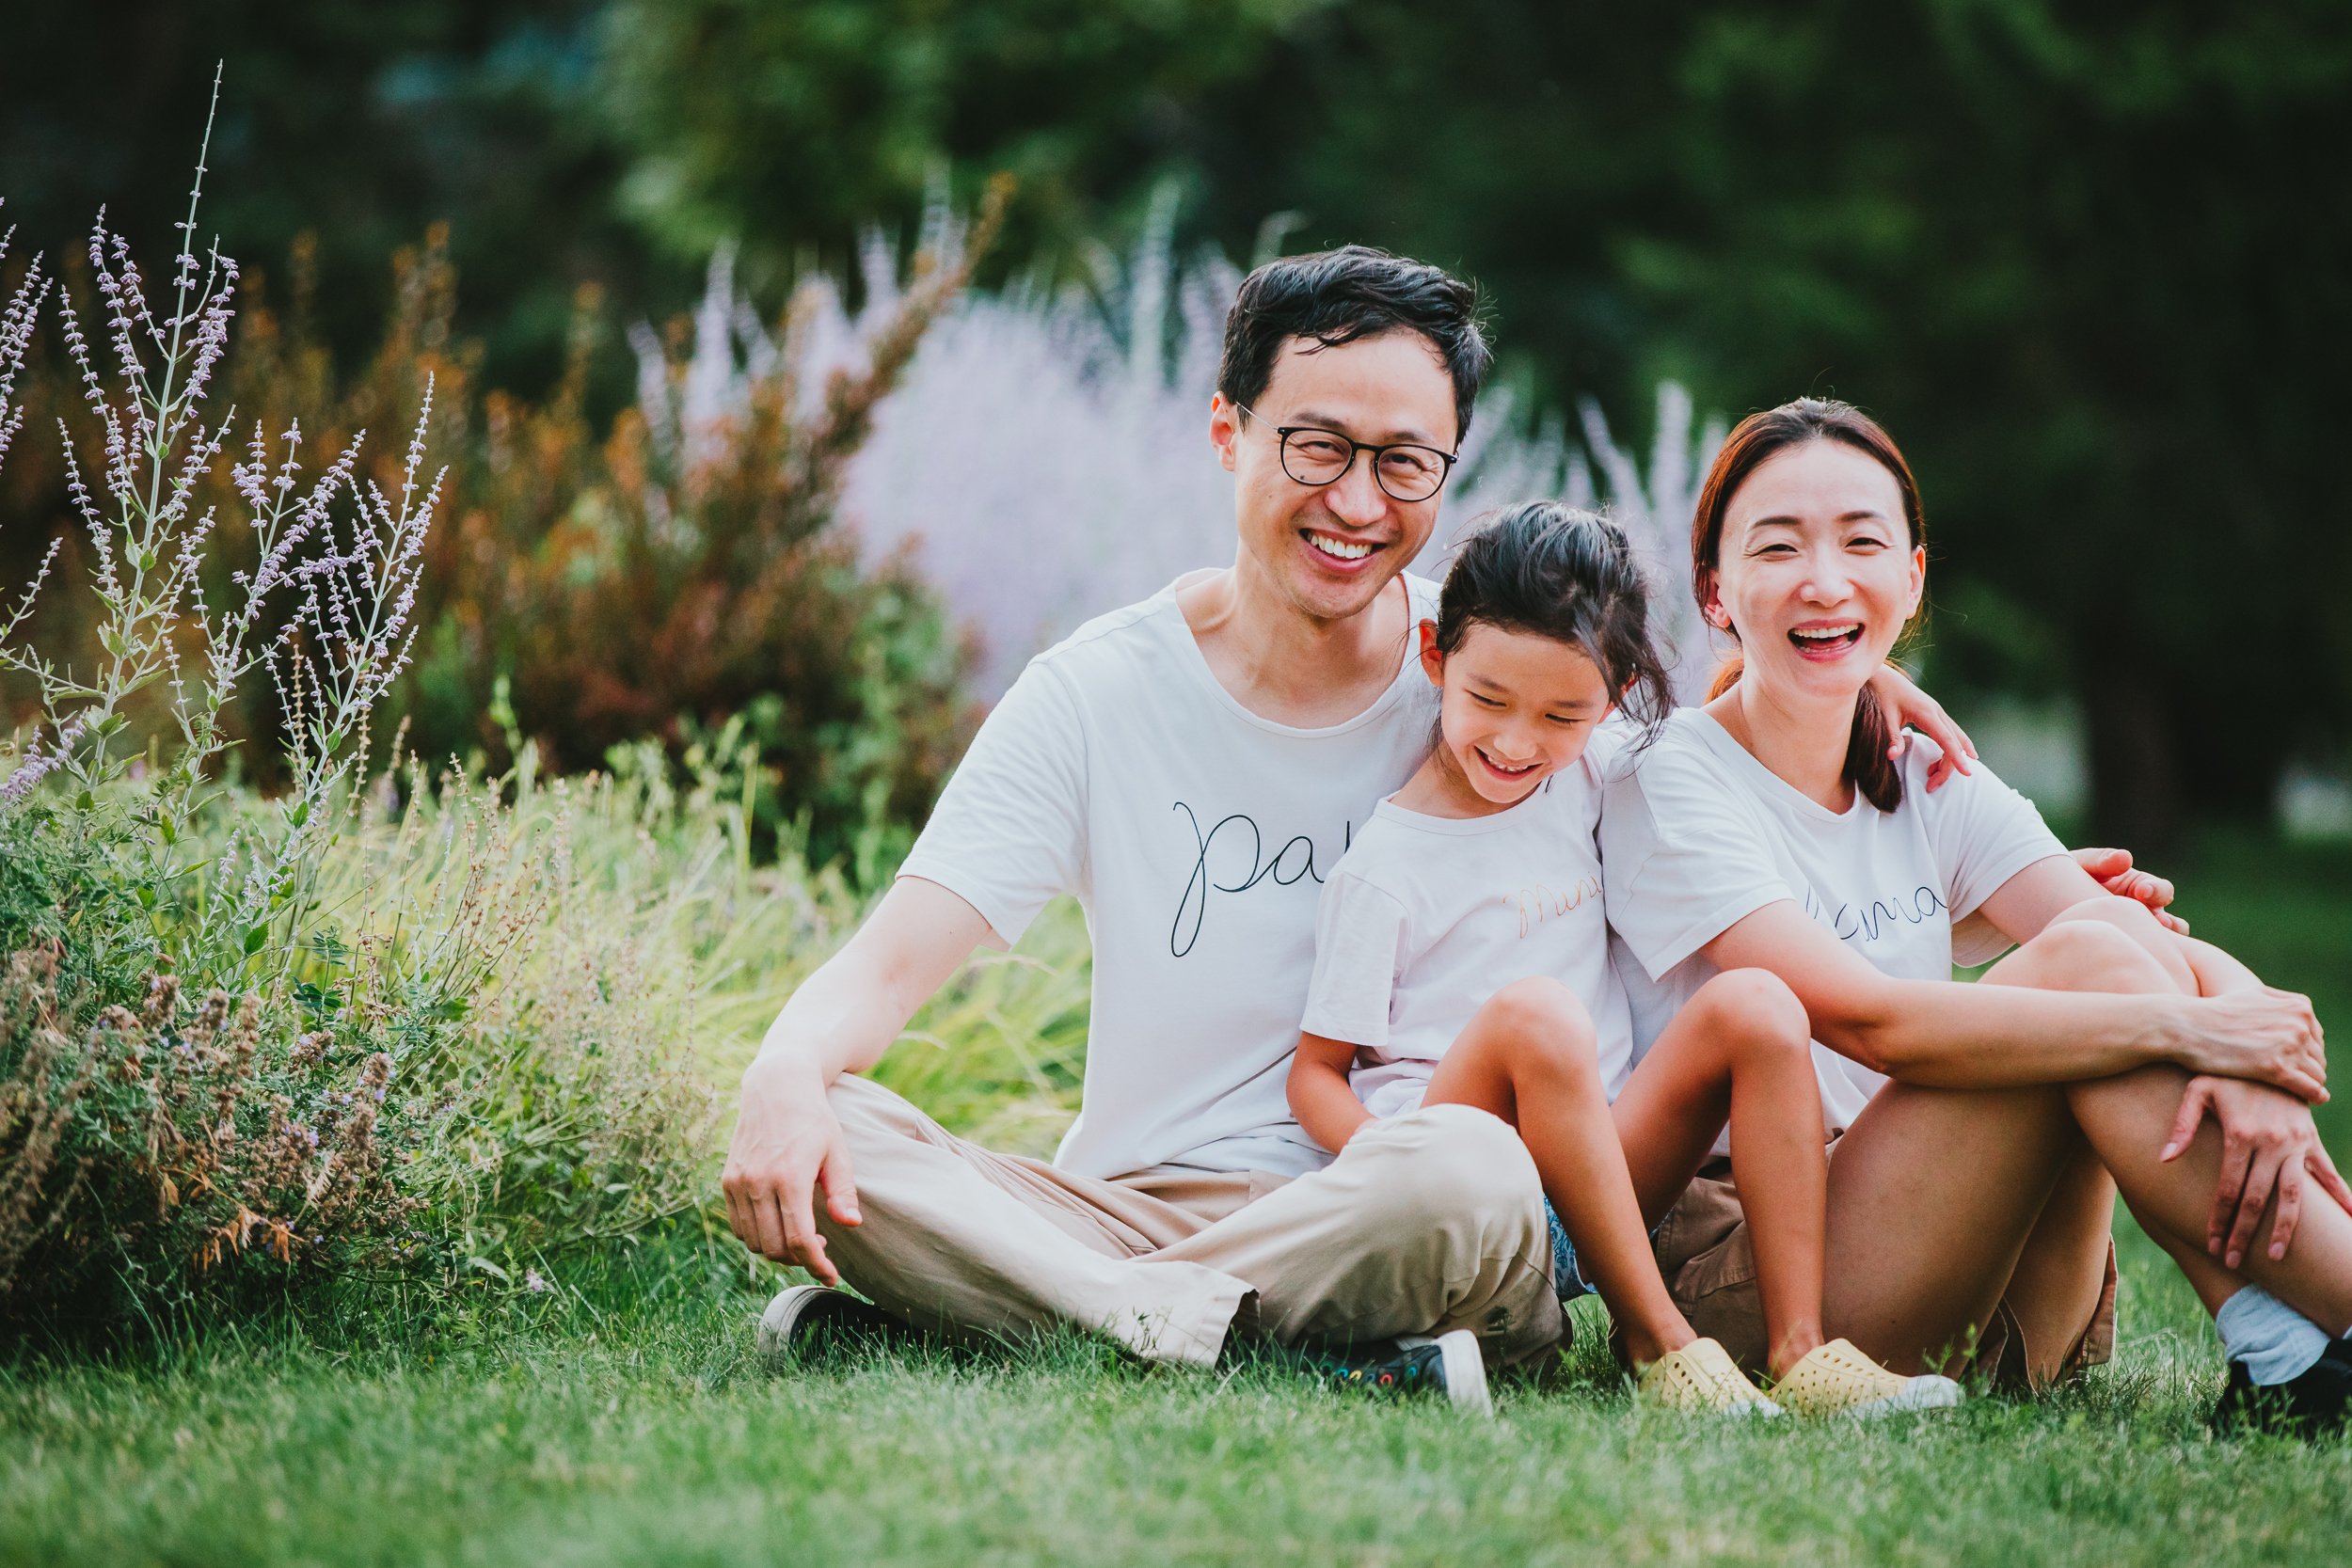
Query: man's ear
{"x": 1224, "y": 430}
{"x": 1432, "y": 661}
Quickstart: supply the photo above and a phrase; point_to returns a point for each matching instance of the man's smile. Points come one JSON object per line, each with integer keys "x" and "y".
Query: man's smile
{"x": 1334, "y": 547}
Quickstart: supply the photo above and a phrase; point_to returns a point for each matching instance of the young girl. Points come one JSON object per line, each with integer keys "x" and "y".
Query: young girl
{"x": 1462, "y": 957}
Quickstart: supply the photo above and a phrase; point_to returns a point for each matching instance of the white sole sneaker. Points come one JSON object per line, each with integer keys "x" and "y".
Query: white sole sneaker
{"x": 1465, "y": 1368}
{"x": 799, "y": 1315}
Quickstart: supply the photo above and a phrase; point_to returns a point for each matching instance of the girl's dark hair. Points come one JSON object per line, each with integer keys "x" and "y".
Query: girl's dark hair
{"x": 1557, "y": 572}
{"x": 1755, "y": 439}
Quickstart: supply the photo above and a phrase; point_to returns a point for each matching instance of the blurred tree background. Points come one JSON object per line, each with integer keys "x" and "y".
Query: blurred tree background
{"x": 2084, "y": 258}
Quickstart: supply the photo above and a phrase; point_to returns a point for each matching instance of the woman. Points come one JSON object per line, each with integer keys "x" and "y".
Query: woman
{"x": 1985, "y": 1128}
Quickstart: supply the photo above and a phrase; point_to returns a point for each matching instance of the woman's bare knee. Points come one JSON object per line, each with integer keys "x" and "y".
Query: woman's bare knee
{"x": 2132, "y": 918}
{"x": 2086, "y": 952}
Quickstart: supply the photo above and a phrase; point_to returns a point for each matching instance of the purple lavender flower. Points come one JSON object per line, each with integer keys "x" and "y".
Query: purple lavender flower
{"x": 39, "y": 763}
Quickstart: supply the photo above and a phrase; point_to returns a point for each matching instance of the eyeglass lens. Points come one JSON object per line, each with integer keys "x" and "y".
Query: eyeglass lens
{"x": 1407, "y": 473}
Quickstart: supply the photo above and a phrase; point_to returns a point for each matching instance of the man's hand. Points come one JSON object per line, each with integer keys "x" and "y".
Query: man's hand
{"x": 787, "y": 1144}
{"x": 2269, "y": 1143}
{"x": 2112, "y": 869}
{"x": 1904, "y": 703}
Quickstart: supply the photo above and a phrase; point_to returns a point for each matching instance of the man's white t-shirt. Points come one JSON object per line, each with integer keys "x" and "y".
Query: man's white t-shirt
{"x": 1196, "y": 835}
{"x": 1427, "y": 917}
{"x": 1697, "y": 834}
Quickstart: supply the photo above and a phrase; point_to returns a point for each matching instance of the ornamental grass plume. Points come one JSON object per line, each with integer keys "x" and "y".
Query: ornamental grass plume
{"x": 1046, "y": 456}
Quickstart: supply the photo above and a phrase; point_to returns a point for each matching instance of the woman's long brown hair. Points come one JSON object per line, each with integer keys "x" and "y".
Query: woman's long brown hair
{"x": 1755, "y": 439}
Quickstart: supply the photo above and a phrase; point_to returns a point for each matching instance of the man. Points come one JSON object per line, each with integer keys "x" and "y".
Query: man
{"x": 1189, "y": 768}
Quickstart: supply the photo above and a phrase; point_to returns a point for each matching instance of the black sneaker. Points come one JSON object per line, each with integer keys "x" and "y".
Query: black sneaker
{"x": 805, "y": 1322}
{"x": 2317, "y": 1401}
{"x": 1449, "y": 1365}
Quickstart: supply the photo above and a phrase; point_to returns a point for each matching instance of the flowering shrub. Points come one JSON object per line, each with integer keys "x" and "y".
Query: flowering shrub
{"x": 1046, "y": 456}
{"x": 333, "y": 1031}
{"x": 597, "y": 584}
{"x": 150, "y": 1146}
{"x": 689, "y": 569}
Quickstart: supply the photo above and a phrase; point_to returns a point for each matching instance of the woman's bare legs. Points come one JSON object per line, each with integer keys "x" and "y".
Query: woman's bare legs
{"x": 1739, "y": 1052}
{"x": 2127, "y": 1118}
{"x": 1943, "y": 1202}
{"x": 1528, "y": 1058}
{"x": 1933, "y": 1199}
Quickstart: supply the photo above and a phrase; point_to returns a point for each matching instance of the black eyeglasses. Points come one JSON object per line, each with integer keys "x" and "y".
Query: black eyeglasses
{"x": 1405, "y": 471}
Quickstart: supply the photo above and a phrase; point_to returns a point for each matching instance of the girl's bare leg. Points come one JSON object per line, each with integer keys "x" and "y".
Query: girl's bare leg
{"x": 1528, "y": 1058}
{"x": 1738, "y": 1052}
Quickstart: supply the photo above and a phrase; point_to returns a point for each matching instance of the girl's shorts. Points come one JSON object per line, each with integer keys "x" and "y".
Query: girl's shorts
{"x": 1568, "y": 1276}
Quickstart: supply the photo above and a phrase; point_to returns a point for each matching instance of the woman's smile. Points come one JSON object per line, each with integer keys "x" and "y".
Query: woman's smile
{"x": 1826, "y": 641}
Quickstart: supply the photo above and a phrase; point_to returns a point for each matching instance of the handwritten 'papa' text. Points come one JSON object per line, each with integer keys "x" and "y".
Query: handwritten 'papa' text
{"x": 1290, "y": 863}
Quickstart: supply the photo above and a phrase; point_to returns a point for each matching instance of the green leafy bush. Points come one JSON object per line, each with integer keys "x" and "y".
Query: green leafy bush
{"x": 348, "y": 1029}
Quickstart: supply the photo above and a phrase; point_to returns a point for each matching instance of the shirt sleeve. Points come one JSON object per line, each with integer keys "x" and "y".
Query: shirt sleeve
{"x": 1611, "y": 741}
{"x": 1009, "y": 831}
{"x": 1983, "y": 833}
{"x": 1682, "y": 862}
{"x": 1359, "y": 951}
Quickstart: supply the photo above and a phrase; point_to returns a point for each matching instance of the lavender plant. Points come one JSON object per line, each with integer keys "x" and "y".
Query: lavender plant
{"x": 326, "y": 611}
{"x": 274, "y": 1039}
{"x": 1046, "y": 456}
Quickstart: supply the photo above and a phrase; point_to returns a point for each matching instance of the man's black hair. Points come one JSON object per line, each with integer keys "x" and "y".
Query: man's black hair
{"x": 1338, "y": 296}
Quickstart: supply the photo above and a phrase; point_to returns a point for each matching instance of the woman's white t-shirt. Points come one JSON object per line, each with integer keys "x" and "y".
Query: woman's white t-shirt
{"x": 1426, "y": 917}
{"x": 1197, "y": 835}
{"x": 1697, "y": 834}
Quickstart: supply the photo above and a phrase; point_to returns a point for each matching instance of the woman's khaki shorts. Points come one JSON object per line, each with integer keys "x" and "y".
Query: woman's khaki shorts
{"x": 1709, "y": 1268}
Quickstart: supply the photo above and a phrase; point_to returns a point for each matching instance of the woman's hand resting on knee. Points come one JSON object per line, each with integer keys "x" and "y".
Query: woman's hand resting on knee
{"x": 2269, "y": 1143}
{"x": 2263, "y": 1035}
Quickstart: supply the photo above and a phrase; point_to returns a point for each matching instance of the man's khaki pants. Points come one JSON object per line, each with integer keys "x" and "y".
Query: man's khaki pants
{"x": 1426, "y": 1222}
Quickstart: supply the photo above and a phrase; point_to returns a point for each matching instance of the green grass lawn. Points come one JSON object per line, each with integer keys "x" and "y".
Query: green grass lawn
{"x": 620, "y": 1420}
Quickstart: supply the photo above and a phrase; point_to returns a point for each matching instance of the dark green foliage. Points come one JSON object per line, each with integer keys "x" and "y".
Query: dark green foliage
{"x": 2076, "y": 256}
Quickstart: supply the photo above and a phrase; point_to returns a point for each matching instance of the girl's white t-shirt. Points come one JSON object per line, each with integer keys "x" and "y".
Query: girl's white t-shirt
{"x": 1697, "y": 834}
{"x": 1196, "y": 835}
{"x": 1427, "y": 917}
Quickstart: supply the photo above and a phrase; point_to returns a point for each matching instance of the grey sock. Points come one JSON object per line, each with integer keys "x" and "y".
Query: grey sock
{"x": 2276, "y": 1343}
